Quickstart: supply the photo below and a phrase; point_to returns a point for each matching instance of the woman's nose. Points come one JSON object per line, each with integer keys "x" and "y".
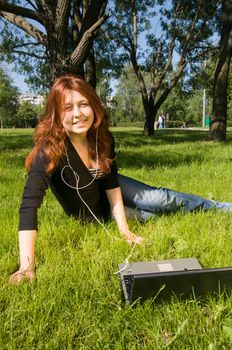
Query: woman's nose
{"x": 76, "y": 111}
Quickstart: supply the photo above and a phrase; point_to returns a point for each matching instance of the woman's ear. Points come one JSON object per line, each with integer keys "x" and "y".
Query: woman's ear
{"x": 97, "y": 122}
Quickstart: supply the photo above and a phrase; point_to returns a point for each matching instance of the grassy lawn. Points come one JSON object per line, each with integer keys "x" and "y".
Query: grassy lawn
{"x": 76, "y": 301}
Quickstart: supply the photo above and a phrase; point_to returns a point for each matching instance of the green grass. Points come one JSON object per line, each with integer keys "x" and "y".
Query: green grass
{"x": 76, "y": 302}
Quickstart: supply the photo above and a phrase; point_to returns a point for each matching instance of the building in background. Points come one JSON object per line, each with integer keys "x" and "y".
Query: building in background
{"x": 33, "y": 99}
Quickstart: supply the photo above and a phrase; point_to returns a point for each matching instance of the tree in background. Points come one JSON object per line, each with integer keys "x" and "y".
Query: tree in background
{"x": 12, "y": 112}
{"x": 27, "y": 115}
{"x": 184, "y": 104}
{"x": 51, "y": 37}
{"x": 127, "y": 101}
{"x": 175, "y": 107}
{"x": 219, "y": 111}
{"x": 183, "y": 38}
{"x": 8, "y": 100}
{"x": 195, "y": 84}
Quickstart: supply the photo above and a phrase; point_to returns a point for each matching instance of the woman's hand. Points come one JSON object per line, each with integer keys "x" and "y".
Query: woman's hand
{"x": 116, "y": 203}
{"x": 130, "y": 237}
{"x": 21, "y": 276}
{"x": 27, "y": 257}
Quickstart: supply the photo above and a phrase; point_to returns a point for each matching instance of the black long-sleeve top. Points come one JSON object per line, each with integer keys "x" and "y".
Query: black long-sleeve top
{"x": 93, "y": 194}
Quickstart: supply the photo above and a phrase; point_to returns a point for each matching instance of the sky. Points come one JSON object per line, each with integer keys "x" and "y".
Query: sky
{"x": 17, "y": 79}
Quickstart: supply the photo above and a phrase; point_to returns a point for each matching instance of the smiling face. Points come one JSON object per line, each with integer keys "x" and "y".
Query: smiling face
{"x": 77, "y": 115}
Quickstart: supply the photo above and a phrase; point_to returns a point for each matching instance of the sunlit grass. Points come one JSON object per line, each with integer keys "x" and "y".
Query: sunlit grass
{"x": 76, "y": 302}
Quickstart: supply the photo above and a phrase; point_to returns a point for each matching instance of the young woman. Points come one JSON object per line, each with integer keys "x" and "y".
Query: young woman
{"x": 74, "y": 156}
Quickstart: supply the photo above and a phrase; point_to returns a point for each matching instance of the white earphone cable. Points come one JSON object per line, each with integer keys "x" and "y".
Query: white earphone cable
{"x": 77, "y": 188}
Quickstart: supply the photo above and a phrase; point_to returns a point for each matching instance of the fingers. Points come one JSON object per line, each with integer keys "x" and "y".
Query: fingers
{"x": 139, "y": 239}
{"x": 135, "y": 239}
{"x": 21, "y": 276}
{"x": 130, "y": 237}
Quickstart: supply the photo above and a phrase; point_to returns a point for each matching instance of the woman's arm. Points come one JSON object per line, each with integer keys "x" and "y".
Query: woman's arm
{"x": 117, "y": 208}
{"x": 27, "y": 257}
{"x": 32, "y": 198}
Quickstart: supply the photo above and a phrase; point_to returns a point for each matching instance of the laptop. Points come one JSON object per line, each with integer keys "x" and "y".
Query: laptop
{"x": 161, "y": 280}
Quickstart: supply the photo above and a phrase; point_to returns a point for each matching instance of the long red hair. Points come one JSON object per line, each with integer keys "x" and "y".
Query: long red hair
{"x": 50, "y": 135}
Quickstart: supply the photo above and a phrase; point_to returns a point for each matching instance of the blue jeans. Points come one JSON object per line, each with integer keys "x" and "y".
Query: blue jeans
{"x": 144, "y": 201}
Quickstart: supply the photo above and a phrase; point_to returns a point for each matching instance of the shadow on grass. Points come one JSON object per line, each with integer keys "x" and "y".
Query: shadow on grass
{"x": 15, "y": 141}
{"x": 164, "y": 136}
{"x": 13, "y": 161}
{"x": 173, "y": 157}
{"x": 137, "y": 159}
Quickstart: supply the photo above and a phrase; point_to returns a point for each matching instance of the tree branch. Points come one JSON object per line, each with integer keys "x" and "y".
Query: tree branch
{"x": 62, "y": 12}
{"x": 21, "y": 52}
{"x": 92, "y": 15}
{"x": 42, "y": 6}
{"x": 77, "y": 14}
{"x": 79, "y": 54}
{"x": 23, "y": 45}
{"x": 168, "y": 88}
{"x": 25, "y": 26}
{"x": 134, "y": 17}
{"x": 190, "y": 32}
{"x": 32, "y": 5}
{"x": 20, "y": 11}
{"x": 167, "y": 65}
{"x": 201, "y": 54}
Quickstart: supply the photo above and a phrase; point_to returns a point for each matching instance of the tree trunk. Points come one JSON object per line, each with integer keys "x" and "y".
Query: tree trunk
{"x": 60, "y": 62}
{"x": 217, "y": 130}
{"x": 149, "y": 117}
{"x": 148, "y": 101}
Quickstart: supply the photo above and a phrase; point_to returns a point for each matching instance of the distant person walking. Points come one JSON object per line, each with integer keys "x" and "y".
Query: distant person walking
{"x": 161, "y": 123}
